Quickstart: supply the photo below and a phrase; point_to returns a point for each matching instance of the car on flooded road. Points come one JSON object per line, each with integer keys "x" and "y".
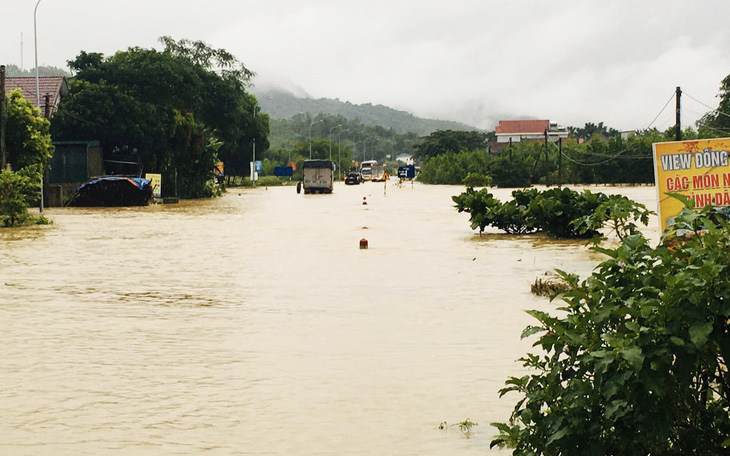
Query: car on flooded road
{"x": 353, "y": 179}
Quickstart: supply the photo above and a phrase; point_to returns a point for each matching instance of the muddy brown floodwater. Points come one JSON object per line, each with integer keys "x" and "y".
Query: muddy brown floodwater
{"x": 254, "y": 324}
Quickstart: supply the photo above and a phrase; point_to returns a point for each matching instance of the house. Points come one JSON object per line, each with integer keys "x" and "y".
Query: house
{"x": 527, "y": 130}
{"x": 405, "y": 158}
{"x": 51, "y": 89}
{"x": 628, "y": 134}
{"x": 72, "y": 164}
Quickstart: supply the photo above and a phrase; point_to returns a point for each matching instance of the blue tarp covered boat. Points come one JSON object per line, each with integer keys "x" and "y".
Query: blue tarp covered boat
{"x": 112, "y": 191}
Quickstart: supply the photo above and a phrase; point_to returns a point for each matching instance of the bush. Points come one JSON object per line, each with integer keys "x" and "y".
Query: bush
{"x": 476, "y": 180}
{"x": 560, "y": 213}
{"x": 269, "y": 181}
{"x": 554, "y": 211}
{"x": 638, "y": 362}
{"x": 16, "y": 192}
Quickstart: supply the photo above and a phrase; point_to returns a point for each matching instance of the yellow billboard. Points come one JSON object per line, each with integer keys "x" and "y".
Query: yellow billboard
{"x": 696, "y": 169}
{"x": 155, "y": 183}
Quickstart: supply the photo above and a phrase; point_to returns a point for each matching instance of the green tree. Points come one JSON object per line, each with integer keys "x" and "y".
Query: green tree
{"x": 590, "y": 130}
{"x": 27, "y": 137}
{"x": 29, "y": 149}
{"x": 165, "y": 108}
{"x": 15, "y": 71}
{"x": 446, "y": 141}
{"x": 716, "y": 123}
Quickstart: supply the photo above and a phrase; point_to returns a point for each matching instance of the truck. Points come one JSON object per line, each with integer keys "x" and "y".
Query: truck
{"x": 372, "y": 171}
{"x": 318, "y": 176}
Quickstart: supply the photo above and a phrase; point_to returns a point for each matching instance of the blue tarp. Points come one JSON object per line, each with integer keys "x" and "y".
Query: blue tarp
{"x": 138, "y": 181}
{"x": 112, "y": 191}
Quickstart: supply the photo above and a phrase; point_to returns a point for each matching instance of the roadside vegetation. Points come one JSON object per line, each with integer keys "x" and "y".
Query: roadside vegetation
{"x": 558, "y": 212}
{"x": 592, "y": 154}
{"x": 177, "y": 111}
{"x": 28, "y": 145}
{"x": 637, "y": 363}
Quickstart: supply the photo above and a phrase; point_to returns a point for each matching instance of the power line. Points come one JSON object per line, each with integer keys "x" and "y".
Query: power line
{"x": 603, "y": 162}
{"x": 660, "y": 112}
{"x": 706, "y": 106}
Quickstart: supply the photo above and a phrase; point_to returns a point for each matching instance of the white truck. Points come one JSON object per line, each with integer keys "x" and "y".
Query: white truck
{"x": 318, "y": 176}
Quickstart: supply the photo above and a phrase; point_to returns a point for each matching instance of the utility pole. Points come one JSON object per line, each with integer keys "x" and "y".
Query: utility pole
{"x": 253, "y": 155}
{"x": 37, "y": 89}
{"x": 560, "y": 162}
{"x": 678, "y": 98}
{"x": 547, "y": 171}
{"x": 3, "y": 116}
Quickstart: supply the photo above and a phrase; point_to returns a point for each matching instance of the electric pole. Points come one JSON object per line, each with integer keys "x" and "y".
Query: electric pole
{"x": 3, "y": 115}
{"x": 560, "y": 162}
{"x": 547, "y": 170}
{"x": 678, "y": 98}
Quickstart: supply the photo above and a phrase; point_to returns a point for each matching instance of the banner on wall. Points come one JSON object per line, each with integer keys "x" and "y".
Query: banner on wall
{"x": 155, "y": 183}
{"x": 696, "y": 169}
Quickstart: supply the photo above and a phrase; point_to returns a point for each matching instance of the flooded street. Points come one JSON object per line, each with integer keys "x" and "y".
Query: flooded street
{"x": 253, "y": 324}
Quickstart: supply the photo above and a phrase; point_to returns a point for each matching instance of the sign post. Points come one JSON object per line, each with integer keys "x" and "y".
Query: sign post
{"x": 697, "y": 169}
{"x": 156, "y": 184}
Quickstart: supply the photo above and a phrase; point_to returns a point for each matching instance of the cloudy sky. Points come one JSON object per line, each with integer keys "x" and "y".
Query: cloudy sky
{"x": 474, "y": 61}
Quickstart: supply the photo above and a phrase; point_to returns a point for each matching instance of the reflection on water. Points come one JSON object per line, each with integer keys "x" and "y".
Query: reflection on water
{"x": 254, "y": 324}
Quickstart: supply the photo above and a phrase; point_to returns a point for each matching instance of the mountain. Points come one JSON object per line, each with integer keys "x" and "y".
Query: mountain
{"x": 282, "y": 104}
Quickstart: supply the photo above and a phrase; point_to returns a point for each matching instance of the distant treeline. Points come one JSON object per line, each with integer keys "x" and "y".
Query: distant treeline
{"x": 13, "y": 71}
{"x": 600, "y": 160}
{"x": 365, "y": 142}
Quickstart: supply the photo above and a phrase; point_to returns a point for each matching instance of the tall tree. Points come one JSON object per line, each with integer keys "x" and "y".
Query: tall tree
{"x": 28, "y": 141}
{"x": 445, "y": 141}
{"x": 165, "y": 107}
{"x": 716, "y": 123}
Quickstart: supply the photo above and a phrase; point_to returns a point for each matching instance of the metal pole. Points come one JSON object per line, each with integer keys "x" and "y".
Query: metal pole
{"x": 678, "y": 135}
{"x": 330, "y": 139}
{"x": 37, "y": 84}
{"x": 339, "y": 151}
{"x": 547, "y": 170}
{"x": 3, "y": 154}
{"x": 560, "y": 162}
{"x": 37, "y": 73}
{"x": 253, "y": 162}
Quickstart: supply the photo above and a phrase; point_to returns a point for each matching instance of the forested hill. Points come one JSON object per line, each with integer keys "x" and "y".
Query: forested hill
{"x": 281, "y": 104}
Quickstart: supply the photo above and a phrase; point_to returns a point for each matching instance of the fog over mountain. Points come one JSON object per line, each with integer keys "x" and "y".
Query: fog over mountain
{"x": 282, "y": 99}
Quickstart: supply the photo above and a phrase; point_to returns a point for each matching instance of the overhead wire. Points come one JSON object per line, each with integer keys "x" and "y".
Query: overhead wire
{"x": 620, "y": 153}
{"x": 705, "y": 105}
{"x": 660, "y": 112}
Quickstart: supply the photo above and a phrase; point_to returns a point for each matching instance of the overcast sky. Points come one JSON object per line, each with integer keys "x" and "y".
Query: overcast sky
{"x": 474, "y": 61}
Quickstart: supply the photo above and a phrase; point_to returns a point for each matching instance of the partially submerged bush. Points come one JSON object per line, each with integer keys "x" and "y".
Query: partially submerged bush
{"x": 476, "y": 180}
{"x": 560, "y": 213}
{"x": 549, "y": 285}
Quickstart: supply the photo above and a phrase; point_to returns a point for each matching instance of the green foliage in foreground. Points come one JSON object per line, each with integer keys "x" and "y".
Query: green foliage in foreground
{"x": 17, "y": 190}
{"x": 561, "y": 213}
{"x": 637, "y": 363}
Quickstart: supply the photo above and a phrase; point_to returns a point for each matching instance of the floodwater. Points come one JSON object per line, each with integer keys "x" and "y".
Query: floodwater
{"x": 254, "y": 324}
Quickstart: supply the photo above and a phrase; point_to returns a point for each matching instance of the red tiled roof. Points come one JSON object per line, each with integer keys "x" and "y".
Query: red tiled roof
{"x": 522, "y": 126}
{"x": 52, "y": 85}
